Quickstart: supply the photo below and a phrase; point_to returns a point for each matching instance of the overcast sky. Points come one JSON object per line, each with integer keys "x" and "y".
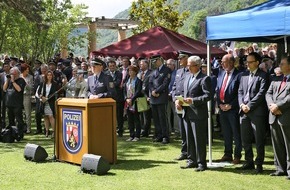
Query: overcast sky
{"x": 107, "y": 8}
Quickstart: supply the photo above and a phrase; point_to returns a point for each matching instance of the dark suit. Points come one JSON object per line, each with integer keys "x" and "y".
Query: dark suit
{"x": 133, "y": 115}
{"x": 196, "y": 116}
{"x": 117, "y": 79}
{"x": 104, "y": 87}
{"x": 158, "y": 82}
{"x": 253, "y": 122}
{"x": 178, "y": 90}
{"x": 229, "y": 120}
{"x": 146, "y": 116}
{"x": 280, "y": 124}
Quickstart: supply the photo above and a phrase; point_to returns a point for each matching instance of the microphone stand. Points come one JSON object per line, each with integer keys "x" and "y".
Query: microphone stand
{"x": 54, "y": 141}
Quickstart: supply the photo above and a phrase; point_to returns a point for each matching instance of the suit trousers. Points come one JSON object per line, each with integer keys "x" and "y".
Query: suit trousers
{"x": 159, "y": 113}
{"x": 196, "y": 140}
{"x": 182, "y": 134}
{"x": 280, "y": 135}
{"x": 250, "y": 128}
{"x": 120, "y": 116}
{"x": 229, "y": 121}
{"x": 146, "y": 117}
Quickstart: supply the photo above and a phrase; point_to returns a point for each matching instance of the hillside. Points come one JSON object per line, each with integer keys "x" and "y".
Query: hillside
{"x": 212, "y": 7}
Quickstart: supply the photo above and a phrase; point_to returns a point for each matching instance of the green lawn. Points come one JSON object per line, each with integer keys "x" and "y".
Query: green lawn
{"x": 141, "y": 165}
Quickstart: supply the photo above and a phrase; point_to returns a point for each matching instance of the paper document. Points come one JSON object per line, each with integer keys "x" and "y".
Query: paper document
{"x": 180, "y": 98}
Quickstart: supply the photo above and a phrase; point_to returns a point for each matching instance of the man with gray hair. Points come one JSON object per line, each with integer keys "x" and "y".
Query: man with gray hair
{"x": 197, "y": 92}
{"x": 14, "y": 87}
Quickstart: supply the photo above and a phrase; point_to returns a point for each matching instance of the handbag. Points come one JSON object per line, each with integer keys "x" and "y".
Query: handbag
{"x": 142, "y": 104}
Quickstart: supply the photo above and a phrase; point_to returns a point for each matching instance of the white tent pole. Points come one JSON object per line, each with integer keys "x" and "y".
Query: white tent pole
{"x": 209, "y": 107}
{"x": 285, "y": 44}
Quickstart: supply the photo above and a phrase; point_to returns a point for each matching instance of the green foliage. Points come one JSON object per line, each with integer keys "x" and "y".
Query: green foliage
{"x": 156, "y": 13}
{"x": 23, "y": 37}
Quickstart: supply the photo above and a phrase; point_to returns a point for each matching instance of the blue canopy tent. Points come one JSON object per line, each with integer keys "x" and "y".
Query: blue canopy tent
{"x": 266, "y": 22}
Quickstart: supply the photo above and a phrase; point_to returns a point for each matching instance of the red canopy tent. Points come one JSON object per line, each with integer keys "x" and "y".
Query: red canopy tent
{"x": 157, "y": 40}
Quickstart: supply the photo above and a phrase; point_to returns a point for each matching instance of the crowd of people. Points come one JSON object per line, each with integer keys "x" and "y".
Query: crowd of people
{"x": 247, "y": 87}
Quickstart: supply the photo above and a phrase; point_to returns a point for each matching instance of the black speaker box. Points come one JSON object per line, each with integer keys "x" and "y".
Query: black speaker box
{"x": 35, "y": 153}
{"x": 94, "y": 164}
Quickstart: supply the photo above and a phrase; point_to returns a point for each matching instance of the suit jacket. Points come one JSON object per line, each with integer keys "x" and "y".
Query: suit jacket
{"x": 178, "y": 87}
{"x": 200, "y": 91}
{"x": 117, "y": 79}
{"x": 281, "y": 99}
{"x": 105, "y": 87}
{"x": 231, "y": 92}
{"x": 145, "y": 83}
{"x": 257, "y": 90}
{"x": 158, "y": 82}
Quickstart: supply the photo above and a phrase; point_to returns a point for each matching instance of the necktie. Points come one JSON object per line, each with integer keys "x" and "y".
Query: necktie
{"x": 247, "y": 96}
{"x": 96, "y": 80}
{"x": 223, "y": 88}
{"x": 190, "y": 81}
{"x": 283, "y": 83}
{"x": 142, "y": 75}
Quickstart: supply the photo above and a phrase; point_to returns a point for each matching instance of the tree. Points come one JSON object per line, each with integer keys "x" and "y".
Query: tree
{"x": 156, "y": 13}
{"x": 24, "y": 37}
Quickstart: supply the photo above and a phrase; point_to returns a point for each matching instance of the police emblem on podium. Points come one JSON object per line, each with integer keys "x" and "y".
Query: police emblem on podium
{"x": 72, "y": 130}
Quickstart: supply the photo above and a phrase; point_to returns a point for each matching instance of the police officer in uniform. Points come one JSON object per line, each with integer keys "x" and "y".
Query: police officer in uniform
{"x": 158, "y": 93}
{"x": 100, "y": 85}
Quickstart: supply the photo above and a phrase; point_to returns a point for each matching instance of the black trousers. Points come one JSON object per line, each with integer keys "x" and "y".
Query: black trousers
{"x": 159, "y": 113}
{"x": 38, "y": 116}
{"x": 196, "y": 140}
{"x": 146, "y": 117}
{"x": 182, "y": 134}
{"x": 134, "y": 123}
{"x": 16, "y": 113}
{"x": 3, "y": 112}
{"x": 120, "y": 116}
{"x": 251, "y": 128}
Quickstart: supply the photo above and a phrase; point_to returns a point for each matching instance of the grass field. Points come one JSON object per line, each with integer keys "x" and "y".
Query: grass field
{"x": 140, "y": 165}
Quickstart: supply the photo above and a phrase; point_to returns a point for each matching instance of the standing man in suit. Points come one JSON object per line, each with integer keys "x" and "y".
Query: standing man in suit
{"x": 278, "y": 101}
{"x": 197, "y": 91}
{"x": 144, "y": 76}
{"x": 178, "y": 90}
{"x": 227, "y": 99}
{"x": 117, "y": 79}
{"x": 100, "y": 85}
{"x": 158, "y": 92}
{"x": 253, "y": 112}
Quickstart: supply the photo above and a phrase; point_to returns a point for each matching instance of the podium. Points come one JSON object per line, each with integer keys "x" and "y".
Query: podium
{"x": 85, "y": 126}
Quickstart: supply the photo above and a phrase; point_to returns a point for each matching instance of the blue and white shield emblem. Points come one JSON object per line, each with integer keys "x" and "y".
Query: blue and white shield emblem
{"x": 72, "y": 130}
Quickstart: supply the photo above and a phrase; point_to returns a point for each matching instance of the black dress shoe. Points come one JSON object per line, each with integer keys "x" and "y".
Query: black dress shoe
{"x": 181, "y": 157}
{"x": 247, "y": 166}
{"x": 200, "y": 168}
{"x": 157, "y": 140}
{"x": 278, "y": 173}
{"x": 259, "y": 169}
{"x": 189, "y": 165}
